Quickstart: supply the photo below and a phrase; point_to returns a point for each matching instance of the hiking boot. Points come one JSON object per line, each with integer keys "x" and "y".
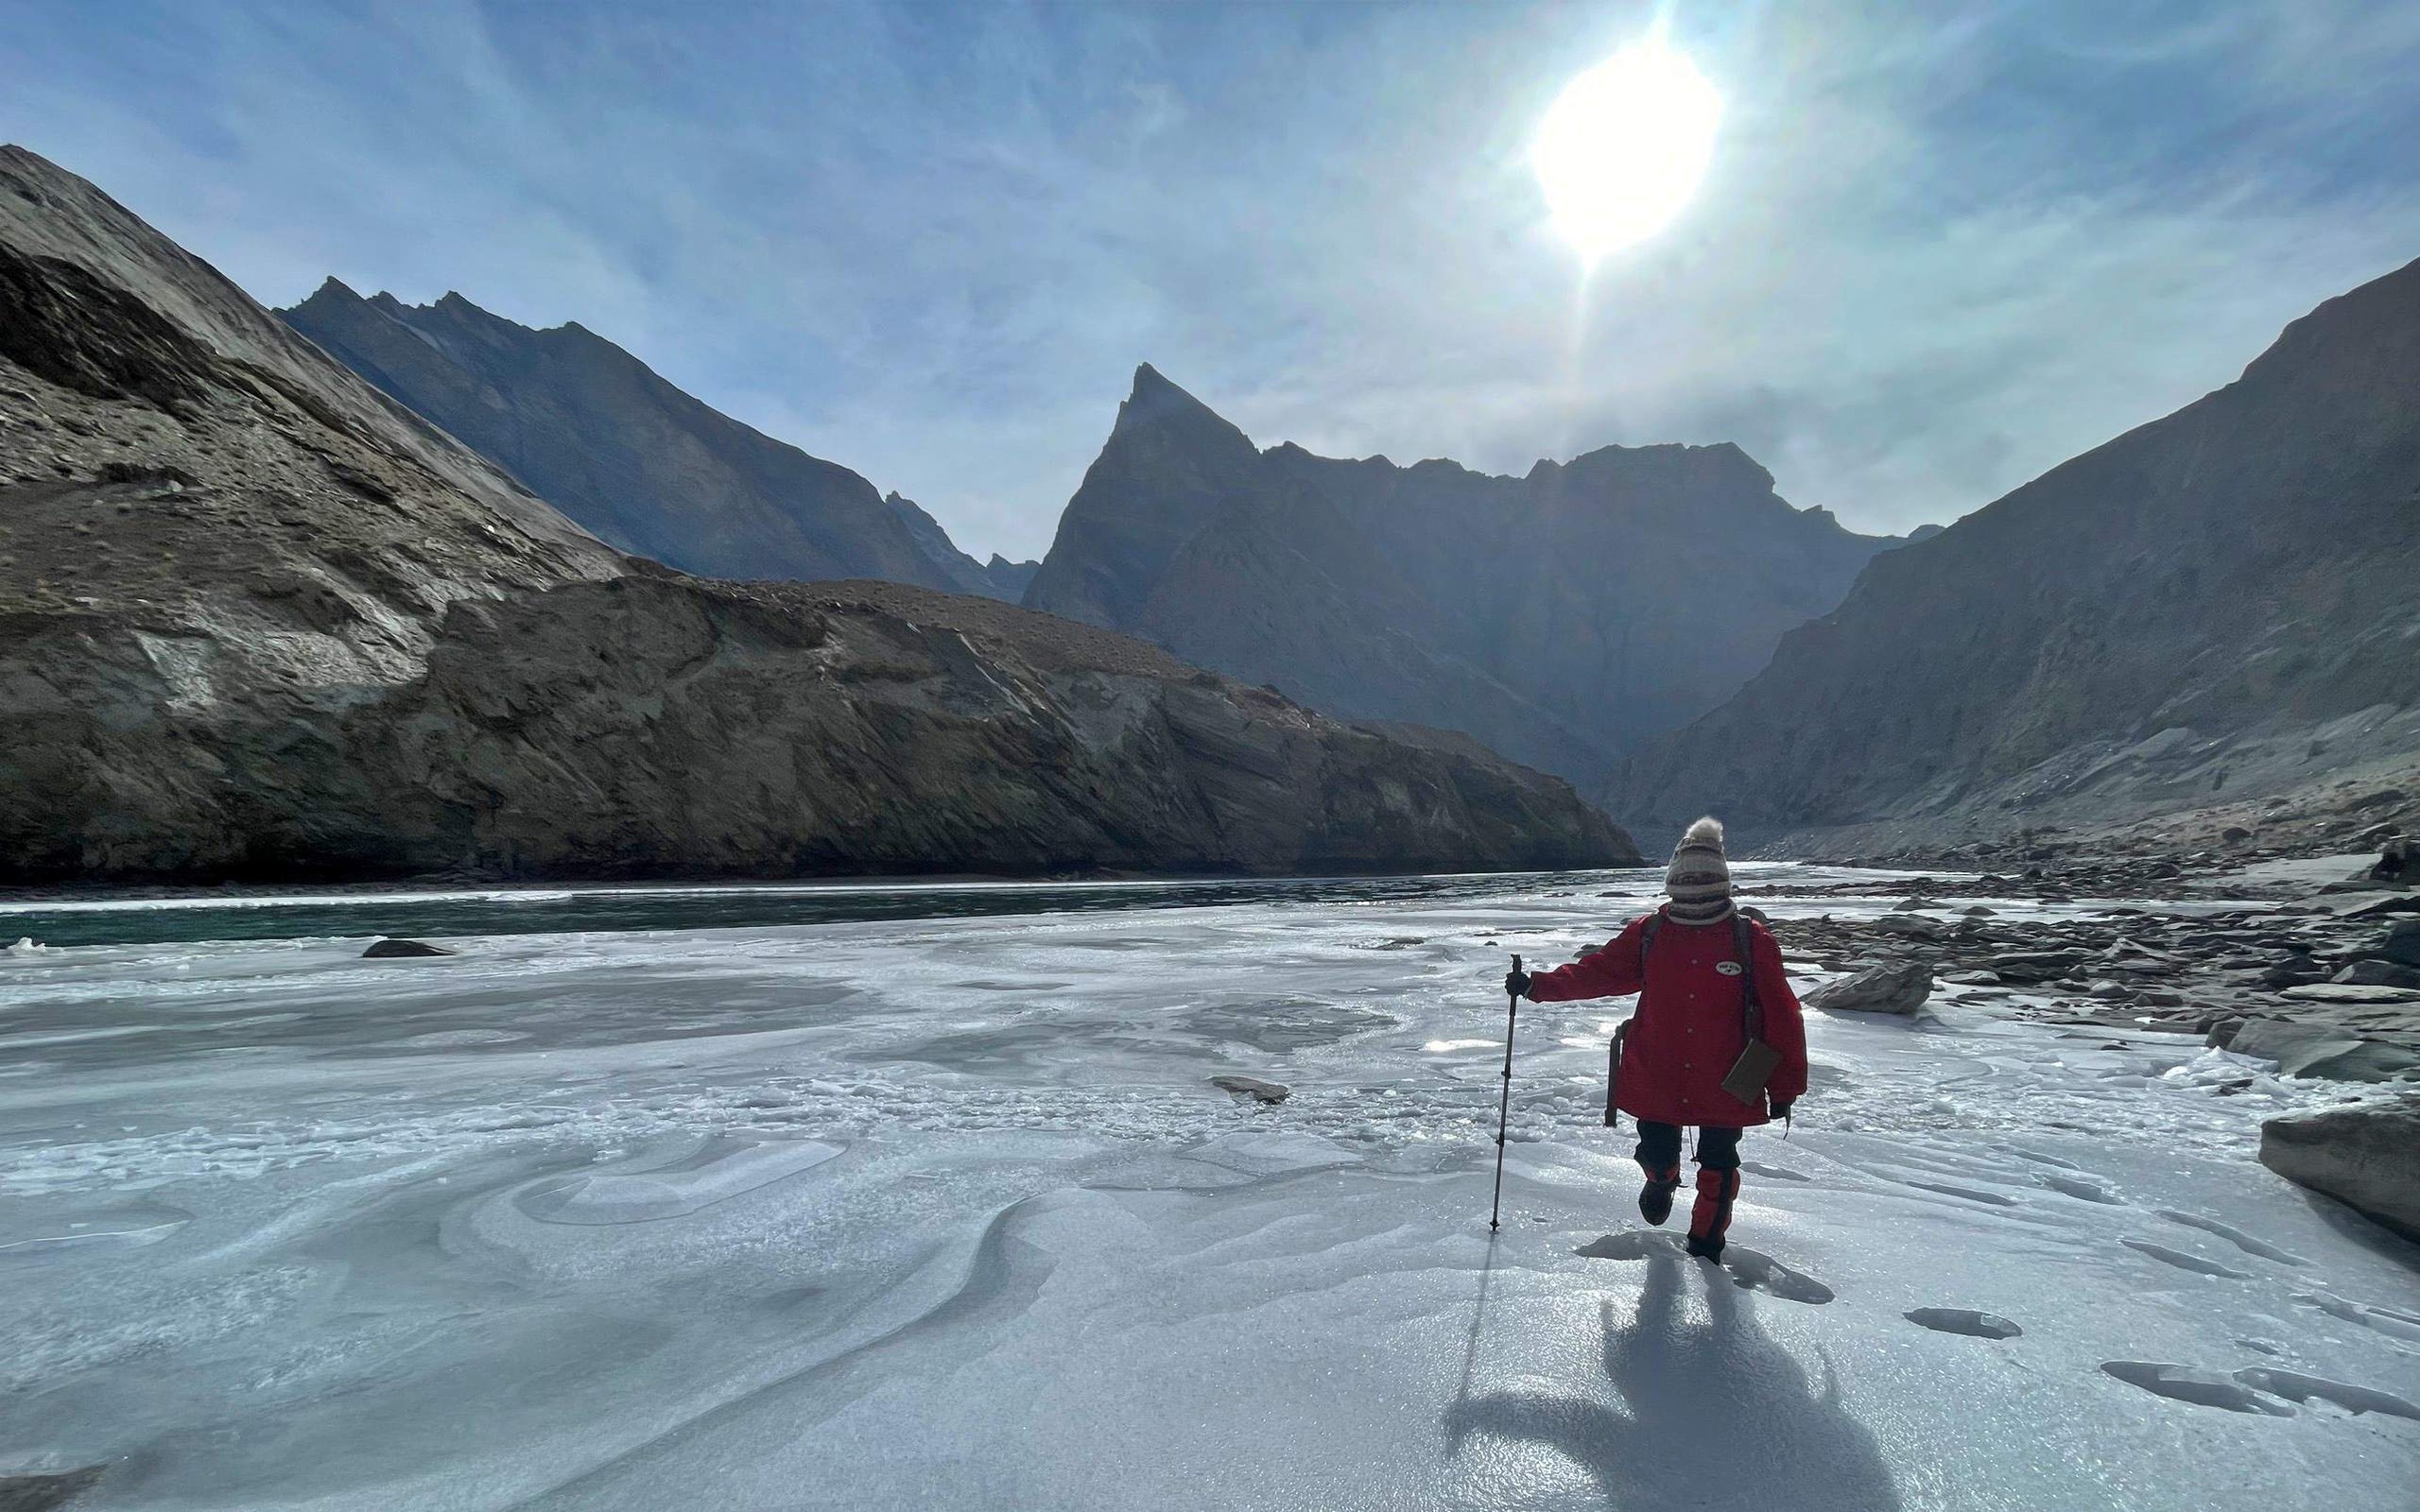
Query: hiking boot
{"x": 1655, "y": 1200}
{"x": 1710, "y": 1219}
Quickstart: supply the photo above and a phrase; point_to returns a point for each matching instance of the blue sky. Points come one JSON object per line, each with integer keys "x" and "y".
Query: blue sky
{"x": 1941, "y": 248}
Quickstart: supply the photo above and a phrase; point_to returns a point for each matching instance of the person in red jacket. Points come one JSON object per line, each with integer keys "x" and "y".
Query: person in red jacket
{"x": 1684, "y": 963}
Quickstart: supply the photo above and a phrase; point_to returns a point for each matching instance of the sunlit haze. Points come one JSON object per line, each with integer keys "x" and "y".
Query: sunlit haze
{"x": 1624, "y": 145}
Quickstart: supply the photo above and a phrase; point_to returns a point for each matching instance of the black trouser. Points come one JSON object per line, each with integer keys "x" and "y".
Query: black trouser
{"x": 1659, "y": 1155}
{"x": 1659, "y": 1147}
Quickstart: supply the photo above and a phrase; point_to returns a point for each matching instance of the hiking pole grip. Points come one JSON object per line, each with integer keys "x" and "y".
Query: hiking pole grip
{"x": 1504, "y": 1103}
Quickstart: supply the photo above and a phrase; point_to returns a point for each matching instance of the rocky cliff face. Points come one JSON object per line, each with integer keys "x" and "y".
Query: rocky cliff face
{"x": 258, "y": 622}
{"x": 1558, "y": 617}
{"x": 646, "y": 467}
{"x": 998, "y": 578}
{"x": 656, "y": 726}
{"x": 199, "y": 512}
{"x": 2222, "y": 602}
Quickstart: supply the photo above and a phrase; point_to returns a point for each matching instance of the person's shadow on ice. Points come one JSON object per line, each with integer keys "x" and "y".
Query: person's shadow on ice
{"x": 1717, "y": 1414}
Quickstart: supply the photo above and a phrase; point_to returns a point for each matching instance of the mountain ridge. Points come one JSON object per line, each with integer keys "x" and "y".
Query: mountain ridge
{"x": 1435, "y": 593}
{"x": 2222, "y": 602}
{"x": 647, "y": 466}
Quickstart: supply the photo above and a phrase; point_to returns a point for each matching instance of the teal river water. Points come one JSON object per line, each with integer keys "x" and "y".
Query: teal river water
{"x": 540, "y": 910}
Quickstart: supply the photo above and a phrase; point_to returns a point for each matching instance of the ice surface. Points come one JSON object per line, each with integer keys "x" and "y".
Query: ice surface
{"x": 945, "y": 1212}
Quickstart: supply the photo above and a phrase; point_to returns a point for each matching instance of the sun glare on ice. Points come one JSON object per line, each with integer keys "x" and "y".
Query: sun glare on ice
{"x": 1624, "y": 145}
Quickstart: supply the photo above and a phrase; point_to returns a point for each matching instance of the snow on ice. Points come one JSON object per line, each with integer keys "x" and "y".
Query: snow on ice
{"x": 948, "y": 1213}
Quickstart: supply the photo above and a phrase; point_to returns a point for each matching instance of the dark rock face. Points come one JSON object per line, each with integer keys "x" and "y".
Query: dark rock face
{"x": 644, "y": 465}
{"x": 199, "y": 510}
{"x": 2367, "y": 1157}
{"x": 2218, "y": 604}
{"x": 659, "y": 726}
{"x": 1557, "y": 617}
{"x": 258, "y": 622}
{"x": 400, "y": 950}
{"x": 663, "y": 726}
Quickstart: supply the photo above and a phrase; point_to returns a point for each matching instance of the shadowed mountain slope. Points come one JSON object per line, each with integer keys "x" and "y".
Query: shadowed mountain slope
{"x": 2220, "y": 603}
{"x": 1558, "y": 617}
{"x": 634, "y": 458}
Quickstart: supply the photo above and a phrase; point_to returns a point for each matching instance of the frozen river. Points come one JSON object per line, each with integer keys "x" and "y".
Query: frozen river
{"x": 923, "y": 1197}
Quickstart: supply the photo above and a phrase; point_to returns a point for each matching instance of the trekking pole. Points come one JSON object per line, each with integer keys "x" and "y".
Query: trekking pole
{"x": 1504, "y": 1105}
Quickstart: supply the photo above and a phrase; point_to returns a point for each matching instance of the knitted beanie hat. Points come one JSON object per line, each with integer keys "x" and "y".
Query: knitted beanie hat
{"x": 1699, "y": 879}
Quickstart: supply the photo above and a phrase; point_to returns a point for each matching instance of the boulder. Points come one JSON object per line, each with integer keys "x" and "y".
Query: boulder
{"x": 2399, "y": 944}
{"x": 2321, "y": 1050}
{"x": 2398, "y": 863}
{"x": 387, "y": 950}
{"x": 1252, "y": 1087}
{"x": 2346, "y": 992}
{"x": 2296, "y": 970}
{"x": 39, "y": 1493}
{"x": 1882, "y": 989}
{"x": 2036, "y": 966}
{"x": 1912, "y": 926}
{"x": 2366, "y": 1155}
{"x": 2378, "y": 973}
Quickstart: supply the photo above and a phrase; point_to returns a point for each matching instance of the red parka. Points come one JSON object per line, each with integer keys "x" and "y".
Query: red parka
{"x": 1689, "y": 1027}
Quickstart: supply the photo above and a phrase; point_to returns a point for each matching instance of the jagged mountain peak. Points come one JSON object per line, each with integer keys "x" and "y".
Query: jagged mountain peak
{"x": 1154, "y": 404}
{"x": 1438, "y": 595}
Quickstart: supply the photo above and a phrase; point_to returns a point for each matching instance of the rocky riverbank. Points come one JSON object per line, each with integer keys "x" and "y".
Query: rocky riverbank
{"x": 2311, "y": 962}
{"x": 2314, "y": 962}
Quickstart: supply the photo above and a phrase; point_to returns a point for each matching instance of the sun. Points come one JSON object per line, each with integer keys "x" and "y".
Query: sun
{"x": 1623, "y": 147}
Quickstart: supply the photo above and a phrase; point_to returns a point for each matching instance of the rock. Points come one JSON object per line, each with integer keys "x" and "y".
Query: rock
{"x": 2377, "y": 973}
{"x": 2374, "y": 907}
{"x": 2036, "y": 966}
{"x": 2235, "y": 833}
{"x": 2400, "y": 943}
{"x": 40, "y": 1493}
{"x": 1252, "y": 1087}
{"x": 1900, "y": 989}
{"x": 1912, "y": 926}
{"x": 2321, "y": 1050}
{"x": 2398, "y": 863}
{"x": 2338, "y": 993}
{"x": 1971, "y": 978}
{"x": 2297, "y": 968}
{"x": 1907, "y": 905}
{"x": 398, "y": 948}
{"x": 2367, "y": 1157}
{"x": 1978, "y": 911}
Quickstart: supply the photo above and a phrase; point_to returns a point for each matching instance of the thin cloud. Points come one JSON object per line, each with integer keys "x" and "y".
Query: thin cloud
{"x": 1938, "y": 252}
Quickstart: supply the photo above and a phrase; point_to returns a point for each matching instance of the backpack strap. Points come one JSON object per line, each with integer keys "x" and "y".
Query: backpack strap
{"x": 1647, "y": 940}
{"x": 1743, "y": 944}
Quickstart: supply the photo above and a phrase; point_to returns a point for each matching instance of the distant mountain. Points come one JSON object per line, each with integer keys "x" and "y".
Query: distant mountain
{"x": 998, "y": 578}
{"x": 2222, "y": 603}
{"x": 259, "y": 622}
{"x": 1558, "y": 617}
{"x": 644, "y": 465}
